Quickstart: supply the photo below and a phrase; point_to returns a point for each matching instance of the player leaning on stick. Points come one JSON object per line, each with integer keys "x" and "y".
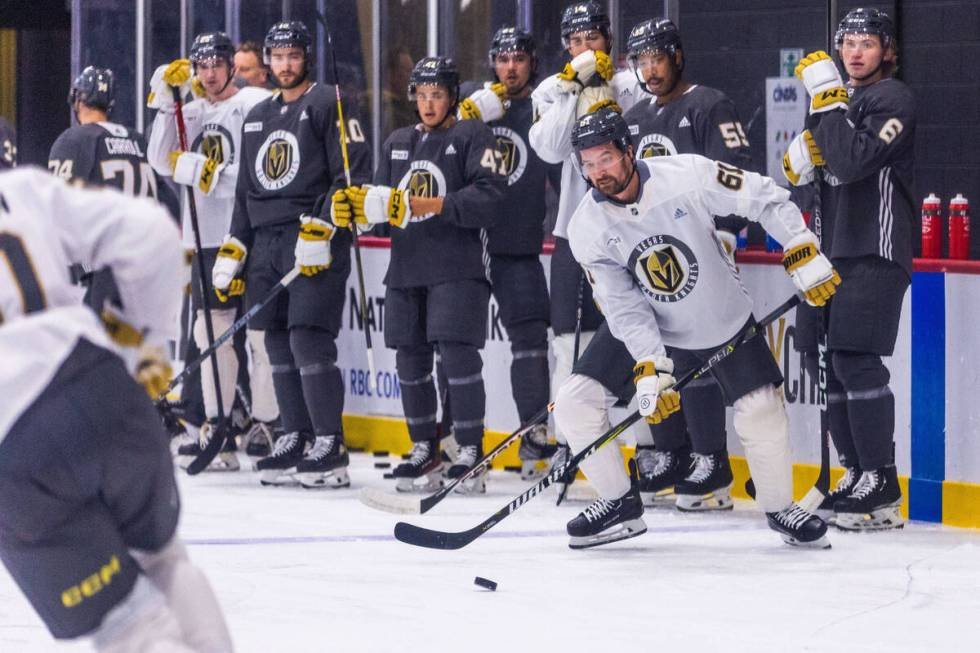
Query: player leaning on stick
{"x": 439, "y": 184}
{"x": 88, "y": 500}
{"x": 214, "y": 134}
{"x": 516, "y": 273}
{"x": 292, "y": 163}
{"x": 646, "y": 237}
{"x": 860, "y": 141}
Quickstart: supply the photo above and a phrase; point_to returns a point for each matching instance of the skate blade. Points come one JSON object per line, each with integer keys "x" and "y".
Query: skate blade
{"x": 659, "y": 499}
{"x": 623, "y": 531}
{"x": 476, "y": 485}
{"x": 821, "y": 543}
{"x": 883, "y": 519}
{"x": 333, "y": 479}
{"x": 278, "y": 477}
{"x": 720, "y": 499}
{"x": 420, "y": 485}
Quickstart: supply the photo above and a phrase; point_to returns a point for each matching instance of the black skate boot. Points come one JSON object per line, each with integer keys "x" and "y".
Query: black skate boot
{"x": 326, "y": 464}
{"x": 533, "y": 450}
{"x": 422, "y": 472}
{"x": 708, "y": 486}
{"x": 799, "y": 527}
{"x": 660, "y": 471}
{"x": 227, "y": 459}
{"x": 279, "y": 467}
{"x": 468, "y": 456}
{"x": 845, "y": 486}
{"x": 605, "y": 521}
{"x": 873, "y": 504}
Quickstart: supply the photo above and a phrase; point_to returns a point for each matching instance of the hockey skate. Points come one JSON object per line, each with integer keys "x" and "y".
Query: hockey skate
{"x": 799, "y": 527}
{"x": 279, "y": 467}
{"x": 605, "y": 521}
{"x": 708, "y": 486}
{"x": 259, "y": 439}
{"x": 660, "y": 471}
{"x": 535, "y": 449}
{"x": 422, "y": 472}
{"x": 468, "y": 456}
{"x": 845, "y": 486}
{"x": 188, "y": 446}
{"x": 873, "y": 504}
{"x": 325, "y": 465}
{"x": 227, "y": 459}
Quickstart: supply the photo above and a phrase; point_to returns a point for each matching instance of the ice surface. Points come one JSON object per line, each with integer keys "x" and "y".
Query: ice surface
{"x": 315, "y": 570}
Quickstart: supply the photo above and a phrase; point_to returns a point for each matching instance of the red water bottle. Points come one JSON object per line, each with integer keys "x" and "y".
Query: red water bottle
{"x": 959, "y": 227}
{"x": 932, "y": 230}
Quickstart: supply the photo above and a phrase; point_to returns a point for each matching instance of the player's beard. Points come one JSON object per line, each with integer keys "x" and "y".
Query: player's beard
{"x": 296, "y": 82}
{"x": 610, "y": 186}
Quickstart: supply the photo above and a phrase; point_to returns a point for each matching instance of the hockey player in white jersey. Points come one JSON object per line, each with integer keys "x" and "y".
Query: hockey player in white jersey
{"x": 214, "y": 130}
{"x": 587, "y": 82}
{"x": 646, "y": 238}
{"x": 88, "y": 500}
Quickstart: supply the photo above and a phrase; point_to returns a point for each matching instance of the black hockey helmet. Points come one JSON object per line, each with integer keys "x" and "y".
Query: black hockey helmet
{"x": 434, "y": 71}
{"x": 652, "y": 35}
{"x": 94, "y": 87}
{"x": 512, "y": 39}
{"x": 866, "y": 21}
{"x": 288, "y": 34}
{"x": 212, "y": 45}
{"x": 583, "y": 17}
{"x": 605, "y": 125}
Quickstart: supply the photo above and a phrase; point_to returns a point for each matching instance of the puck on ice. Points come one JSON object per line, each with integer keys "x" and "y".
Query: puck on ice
{"x": 381, "y": 465}
{"x": 486, "y": 583}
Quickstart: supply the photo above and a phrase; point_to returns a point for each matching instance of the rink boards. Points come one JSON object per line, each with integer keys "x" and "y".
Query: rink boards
{"x": 937, "y": 413}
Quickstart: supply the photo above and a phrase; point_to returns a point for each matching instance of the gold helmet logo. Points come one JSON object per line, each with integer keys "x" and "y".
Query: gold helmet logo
{"x": 278, "y": 159}
{"x": 422, "y": 184}
{"x": 663, "y": 270}
{"x": 213, "y": 147}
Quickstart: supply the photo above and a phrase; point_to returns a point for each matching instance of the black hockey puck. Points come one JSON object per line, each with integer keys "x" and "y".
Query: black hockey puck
{"x": 380, "y": 454}
{"x": 513, "y": 468}
{"x": 382, "y": 465}
{"x": 389, "y": 475}
{"x": 485, "y": 583}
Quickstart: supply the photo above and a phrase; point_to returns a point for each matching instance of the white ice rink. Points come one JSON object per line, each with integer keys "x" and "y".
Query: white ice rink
{"x": 299, "y": 570}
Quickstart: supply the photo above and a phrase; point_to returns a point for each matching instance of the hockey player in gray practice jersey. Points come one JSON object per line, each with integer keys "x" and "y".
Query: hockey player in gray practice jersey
{"x": 88, "y": 500}
{"x": 646, "y": 238}
{"x": 860, "y": 142}
{"x": 440, "y": 184}
{"x": 516, "y": 274}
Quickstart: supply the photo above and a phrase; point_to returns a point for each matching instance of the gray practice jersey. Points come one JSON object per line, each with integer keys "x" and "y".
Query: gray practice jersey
{"x": 658, "y": 271}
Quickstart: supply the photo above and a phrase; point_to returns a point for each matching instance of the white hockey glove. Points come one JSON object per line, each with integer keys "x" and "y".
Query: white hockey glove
{"x": 810, "y": 270}
{"x": 801, "y": 159}
{"x": 580, "y": 70}
{"x": 313, "y": 245}
{"x": 486, "y": 104}
{"x": 193, "y": 169}
{"x": 230, "y": 261}
{"x": 823, "y": 82}
{"x": 378, "y": 204}
{"x": 655, "y": 394}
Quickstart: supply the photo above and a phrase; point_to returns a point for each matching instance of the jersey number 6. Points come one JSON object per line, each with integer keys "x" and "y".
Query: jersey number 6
{"x": 729, "y": 176}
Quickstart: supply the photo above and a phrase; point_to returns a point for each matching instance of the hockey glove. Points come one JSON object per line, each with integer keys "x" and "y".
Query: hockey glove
{"x": 580, "y": 70}
{"x": 122, "y": 332}
{"x": 193, "y": 169}
{"x": 823, "y": 82}
{"x": 485, "y": 104}
{"x": 153, "y": 371}
{"x": 175, "y": 74}
{"x": 231, "y": 259}
{"x": 655, "y": 394}
{"x": 377, "y": 204}
{"x": 810, "y": 270}
{"x": 313, "y": 245}
{"x": 801, "y": 158}
{"x": 341, "y": 211}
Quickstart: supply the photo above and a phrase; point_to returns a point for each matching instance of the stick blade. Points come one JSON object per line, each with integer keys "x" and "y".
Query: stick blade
{"x": 812, "y": 500}
{"x": 430, "y": 539}
{"x": 204, "y": 458}
{"x": 387, "y": 502}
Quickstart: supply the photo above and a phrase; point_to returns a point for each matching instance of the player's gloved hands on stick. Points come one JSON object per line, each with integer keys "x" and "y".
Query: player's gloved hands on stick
{"x": 193, "y": 169}
{"x": 378, "y": 204}
{"x": 313, "y": 245}
{"x": 823, "y": 82}
{"x": 486, "y": 104}
{"x": 230, "y": 261}
{"x": 153, "y": 370}
{"x": 801, "y": 159}
{"x": 655, "y": 395}
{"x": 580, "y": 70}
{"x": 810, "y": 270}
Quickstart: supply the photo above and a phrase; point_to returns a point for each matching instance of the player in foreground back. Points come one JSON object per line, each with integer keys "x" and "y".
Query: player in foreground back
{"x": 646, "y": 238}
{"x": 88, "y": 501}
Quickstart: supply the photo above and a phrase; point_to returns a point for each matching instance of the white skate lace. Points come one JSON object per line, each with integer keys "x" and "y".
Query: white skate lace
{"x": 647, "y": 461}
{"x": 793, "y": 517}
{"x": 285, "y": 444}
{"x": 867, "y": 483}
{"x": 204, "y": 435}
{"x": 561, "y": 456}
{"x": 420, "y": 453}
{"x": 597, "y": 509}
{"x": 703, "y": 466}
{"x": 845, "y": 482}
{"x": 322, "y": 447}
{"x": 661, "y": 462}
{"x": 468, "y": 455}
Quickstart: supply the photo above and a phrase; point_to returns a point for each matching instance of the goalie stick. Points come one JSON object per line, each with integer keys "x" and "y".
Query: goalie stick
{"x": 433, "y": 539}
{"x": 413, "y": 505}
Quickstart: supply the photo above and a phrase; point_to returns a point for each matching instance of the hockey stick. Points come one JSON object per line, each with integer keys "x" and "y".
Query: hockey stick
{"x": 218, "y": 437}
{"x": 432, "y": 539}
{"x": 362, "y": 294}
{"x": 410, "y": 505}
{"x": 563, "y": 487}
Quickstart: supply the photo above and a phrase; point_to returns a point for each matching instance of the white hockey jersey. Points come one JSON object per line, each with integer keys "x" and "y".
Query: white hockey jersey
{"x": 45, "y": 225}
{"x": 657, "y": 269}
{"x": 214, "y": 130}
{"x": 555, "y": 113}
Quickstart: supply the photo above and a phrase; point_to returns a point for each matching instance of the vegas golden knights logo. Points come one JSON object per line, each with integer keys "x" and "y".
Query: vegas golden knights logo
{"x": 654, "y": 149}
{"x": 278, "y": 159}
{"x": 213, "y": 148}
{"x": 509, "y": 151}
{"x": 663, "y": 270}
{"x": 423, "y": 184}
